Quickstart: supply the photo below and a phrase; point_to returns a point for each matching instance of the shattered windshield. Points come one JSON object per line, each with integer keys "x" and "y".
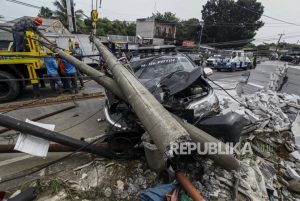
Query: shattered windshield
{"x": 163, "y": 66}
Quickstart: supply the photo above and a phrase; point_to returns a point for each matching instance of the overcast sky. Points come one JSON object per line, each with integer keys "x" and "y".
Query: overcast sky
{"x": 287, "y": 10}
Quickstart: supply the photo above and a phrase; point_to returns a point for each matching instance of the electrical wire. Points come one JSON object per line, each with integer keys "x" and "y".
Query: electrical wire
{"x": 228, "y": 93}
{"x": 49, "y": 164}
{"x": 81, "y": 121}
{"x": 48, "y": 78}
{"x": 56, "y": 161}
{"x": 273, "y": 18}
{"x": 24, "y": 4}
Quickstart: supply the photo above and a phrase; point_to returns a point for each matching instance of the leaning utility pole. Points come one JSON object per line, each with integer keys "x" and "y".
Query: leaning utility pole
{"x": 71, "y": 16}
{"x": 158, "y": 122}
{"x": 226, "y": 161}
{"x": 280, "y": 36}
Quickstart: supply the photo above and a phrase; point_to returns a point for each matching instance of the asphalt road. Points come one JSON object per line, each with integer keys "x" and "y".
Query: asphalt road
{"x": 260, "y": 77}
{"x": 80, "y": 122}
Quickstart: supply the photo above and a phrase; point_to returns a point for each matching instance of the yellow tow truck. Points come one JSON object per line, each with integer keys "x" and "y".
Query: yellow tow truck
{"x": 18, "y": 69}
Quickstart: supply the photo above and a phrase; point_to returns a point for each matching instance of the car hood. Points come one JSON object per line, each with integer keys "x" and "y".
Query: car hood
{"x": 174, "y": 83}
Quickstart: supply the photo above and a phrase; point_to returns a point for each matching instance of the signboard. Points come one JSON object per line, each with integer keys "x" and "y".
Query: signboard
{"x": 94, "y": 15}
{"x": 188, "y": 43}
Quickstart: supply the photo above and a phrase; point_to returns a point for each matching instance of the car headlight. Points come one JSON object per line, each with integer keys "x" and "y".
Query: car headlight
{"x": 205, "y": 105}
{"x": 196, "y": 90}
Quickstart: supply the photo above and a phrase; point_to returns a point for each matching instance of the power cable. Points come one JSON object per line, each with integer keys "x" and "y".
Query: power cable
{"x": 81, "y": 121}
{"x": 49, "y": 164}
{"x": 227, "y": 93}
{"x": 273, "y": 18}
{"x": 56, "y": 161}
{"x": 24, "y": 4}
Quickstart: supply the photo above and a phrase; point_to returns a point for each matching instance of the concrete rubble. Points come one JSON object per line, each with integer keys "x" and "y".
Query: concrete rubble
{"x": 270, "y": 173}
{"x": 273, "y": 132}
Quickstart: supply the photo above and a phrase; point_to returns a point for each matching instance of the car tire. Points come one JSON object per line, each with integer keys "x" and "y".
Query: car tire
{"x": 233, "y": 68}
{"x": 250, "y": 66}
{"x": 10, "y": 89}
{"x": 218, "y": 69}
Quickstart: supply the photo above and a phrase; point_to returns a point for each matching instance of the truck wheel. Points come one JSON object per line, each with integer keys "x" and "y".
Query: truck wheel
{"x": 233, "y": 68}
{"x": 10, "y": 89}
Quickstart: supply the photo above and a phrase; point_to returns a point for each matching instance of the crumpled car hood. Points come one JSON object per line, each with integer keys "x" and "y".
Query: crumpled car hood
{"x": 174, "y": 83}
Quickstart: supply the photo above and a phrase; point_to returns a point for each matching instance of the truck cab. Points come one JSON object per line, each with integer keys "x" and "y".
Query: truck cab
{"x": 238, "y": 60}
{"x": 18, "y": 69}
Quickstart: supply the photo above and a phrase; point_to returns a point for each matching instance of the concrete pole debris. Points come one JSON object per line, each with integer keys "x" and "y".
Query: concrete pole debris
{"x": 226, "y": 161}
{"x": 37, "y": 131}
{"x": 158, "y": 122}
{"x": 197, "y": 135}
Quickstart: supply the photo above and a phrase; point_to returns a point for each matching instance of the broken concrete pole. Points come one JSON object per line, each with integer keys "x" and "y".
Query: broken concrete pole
{"x": 46, "y": 134}
{"x": 97, "y": 76}
{"x": 226, "y": 161}
{"x": 198, "y": 136}
{"x": 158, "y": 122}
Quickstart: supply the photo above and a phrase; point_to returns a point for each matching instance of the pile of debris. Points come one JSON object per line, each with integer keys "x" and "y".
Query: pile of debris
{"x": 266, "y": 110}
{"x": 274, "y": 133}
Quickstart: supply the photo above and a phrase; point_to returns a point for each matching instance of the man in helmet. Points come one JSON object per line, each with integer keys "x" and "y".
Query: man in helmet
{"x": 78, "y": 53}
{"x": 19, "y": 30}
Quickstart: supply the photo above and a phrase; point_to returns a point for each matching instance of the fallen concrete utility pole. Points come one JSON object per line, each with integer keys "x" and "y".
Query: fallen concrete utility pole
{"x": 44, "y": 116}
{"x": 228, "y": 162}
{"x": 9, "y": 148}
{"x": 158, "y": 122}
{"x": 33, "y": 130}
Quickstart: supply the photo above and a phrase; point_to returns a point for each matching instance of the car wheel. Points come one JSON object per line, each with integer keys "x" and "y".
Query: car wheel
{"x": 233, "y": 68}
{"x": 10, "y": 89}
{"x": 218, "y": 69}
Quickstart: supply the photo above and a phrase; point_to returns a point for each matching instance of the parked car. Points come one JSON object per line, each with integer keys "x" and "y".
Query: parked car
{"x": 181, "y": 87}
{"x": 287, "y": 58}
{"x": 193, "y": 53}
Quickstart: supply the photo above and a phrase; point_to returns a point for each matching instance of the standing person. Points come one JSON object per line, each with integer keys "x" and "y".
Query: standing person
{"x": 52, "y": 72}
{"x": 78, "y": 53}
{"x": 19, "y": 31}
{"x": 62, "y": 73}
{"x": 71, "y": 74}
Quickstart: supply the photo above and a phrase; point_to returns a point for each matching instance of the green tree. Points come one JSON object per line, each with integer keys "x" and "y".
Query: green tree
{"x": 116, "y": 27}
{"x": 227, "y": 20}
{"x": 45, "y": 12}
{"x": 167, "y": 16}
{"x": 188, "y": 30}
{"x": 61, "y": 14}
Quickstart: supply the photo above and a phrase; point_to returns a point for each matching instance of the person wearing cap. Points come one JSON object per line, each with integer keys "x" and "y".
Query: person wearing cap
{"x": 52, "y": 72}
{"x": 78, "y": 54}
{"x": 19, "y": 31}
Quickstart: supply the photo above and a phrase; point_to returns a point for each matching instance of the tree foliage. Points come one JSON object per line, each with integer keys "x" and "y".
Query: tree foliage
{"x": 167, "y": 16}
{"x": 45, "y": 12}
{"x": 227, "y": 20}
{"x": 107, "y": 27}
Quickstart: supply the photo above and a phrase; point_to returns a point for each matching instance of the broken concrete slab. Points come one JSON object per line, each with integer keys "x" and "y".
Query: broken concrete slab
{"x": 292, "y": 172}
{"x": 296, "y": 130}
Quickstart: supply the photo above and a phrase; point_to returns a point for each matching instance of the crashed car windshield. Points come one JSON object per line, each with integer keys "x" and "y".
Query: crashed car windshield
{"x": 161, "y": 66}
